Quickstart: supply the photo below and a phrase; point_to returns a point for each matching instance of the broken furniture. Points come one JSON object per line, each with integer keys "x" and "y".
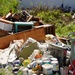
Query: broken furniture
{"x": 17, "y": 24}
{"x": 6, "y": 25}
{"x": 22, "y": 16}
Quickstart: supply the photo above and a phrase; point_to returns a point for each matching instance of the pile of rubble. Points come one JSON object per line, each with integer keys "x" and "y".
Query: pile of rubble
{"x": 31, "y": 57}
{"x": 7, "y": 22}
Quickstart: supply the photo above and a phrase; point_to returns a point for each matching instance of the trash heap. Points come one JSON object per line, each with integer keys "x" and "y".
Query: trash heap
{"x": 20, "y": 21}
{"x": 21, "y": 16}
{"x": 30, "y": 57}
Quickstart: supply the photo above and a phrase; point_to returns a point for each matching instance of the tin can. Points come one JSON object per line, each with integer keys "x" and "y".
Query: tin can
{"x": 55, "y": 65}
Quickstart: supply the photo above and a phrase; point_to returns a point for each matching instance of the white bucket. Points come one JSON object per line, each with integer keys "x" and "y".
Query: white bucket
{"x": 47, "y": 69}
{"x": 34, "y": 74}
{"x": 55, "y": 65}
{"x": 25, "y": 71}
{"x": 53, "y": 59}
{"x": 40, "y": 62}
{"x": 29, "y": 72}
{"x": 49, "y": 56}
{"x": 45, "y": 58}
{"x": 46, "y": 62}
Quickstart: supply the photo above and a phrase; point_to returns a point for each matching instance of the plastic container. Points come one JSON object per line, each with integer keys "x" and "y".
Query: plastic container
{"x": 40, "y": 62}
{"x": 53, "y": 59}
{"x": 47, "y": 69}
{"x": 46, "y": 62}
{"x": 25, "y": 71}
{"x": 55, "y": 65}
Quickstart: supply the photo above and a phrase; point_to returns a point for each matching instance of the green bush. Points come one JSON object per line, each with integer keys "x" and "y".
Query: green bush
{"x": 60, "y": 19}
{"x": 64, "y": 31}
{"x": 6, "y": 5}
{"x": 8, "y": 71}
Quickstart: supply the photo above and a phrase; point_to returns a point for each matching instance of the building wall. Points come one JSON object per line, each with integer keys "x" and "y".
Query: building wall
{"x": 49, "y": 3}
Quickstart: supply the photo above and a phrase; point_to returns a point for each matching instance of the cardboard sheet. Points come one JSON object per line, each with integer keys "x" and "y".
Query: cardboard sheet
{"x": 27, "y": 51}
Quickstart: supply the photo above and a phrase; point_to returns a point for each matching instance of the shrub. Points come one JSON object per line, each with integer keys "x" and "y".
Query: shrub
{"x": 64, "y": 31}
{"x": 60, "y": 19}
{"x": 6, "y": 5}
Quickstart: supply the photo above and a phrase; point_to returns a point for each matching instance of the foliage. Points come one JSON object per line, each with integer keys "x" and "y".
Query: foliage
{"x": 60, "y": 19}
{"x": 64, "y": 31}
{"x": 8, "y": 71}
{"x": 54, "y": 16}
{"x": 6, "y": 5}
{"x": 48, "y": 16}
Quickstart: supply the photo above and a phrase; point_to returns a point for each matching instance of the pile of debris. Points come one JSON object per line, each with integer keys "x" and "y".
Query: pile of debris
{"x": 7, "y": 22}
{"x": 31, "y": 57}
{"x": 22, "y": 16}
